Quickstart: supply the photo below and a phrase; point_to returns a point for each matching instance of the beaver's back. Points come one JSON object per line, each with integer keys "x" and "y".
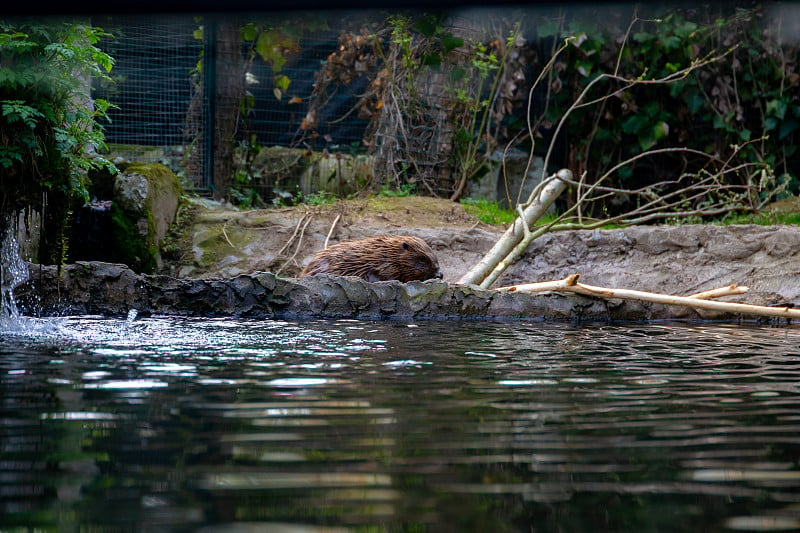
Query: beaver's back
{"x": 380, "y": 258}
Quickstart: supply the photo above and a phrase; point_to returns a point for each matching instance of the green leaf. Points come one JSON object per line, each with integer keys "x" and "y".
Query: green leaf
{"x": 660, "y": 130}
{"x": 695, "y": 103}
{"x": 268, "y": 46}
{"x": 451, "y": 42}
{"x": 428, "y": 25}
{"x": 646, "y": 142}
{"x": 777, "y": 108}
{"x": 685, "y": 29}
{"x": 652, "y": 108}
{"x": 634, "y": 124}
{"x": 282, "y": 82}
{"x": 625, "y": 173}
{"x": 462, "y": 136}
{"x": 584, "y": 68}
{"x": 670, "y": 43}
{"x": 249, "y": 32}
{"x": 787, "y": 128}
{"x": 431, "y": 60}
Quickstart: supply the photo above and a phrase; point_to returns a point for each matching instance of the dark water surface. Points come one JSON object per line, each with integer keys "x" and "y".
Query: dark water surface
{"x": 167, "y": 424}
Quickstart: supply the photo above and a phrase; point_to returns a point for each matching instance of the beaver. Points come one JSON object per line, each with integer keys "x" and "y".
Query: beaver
{"x": 379, "y": 258}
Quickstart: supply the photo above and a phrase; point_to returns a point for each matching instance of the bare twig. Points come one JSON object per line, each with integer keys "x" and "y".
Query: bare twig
{"x": 225, "y": 234}
{"x": 517, "y": 236}
{"x": 297, "y": 248}
{"x": 306, "y": 216}
{"x": 330, "y": 231}
{"x": 730, "y": 290}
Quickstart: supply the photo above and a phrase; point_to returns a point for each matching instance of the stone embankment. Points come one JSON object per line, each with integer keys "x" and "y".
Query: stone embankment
{"x": 114, "y": 290}
{"x": 225, "y": 270}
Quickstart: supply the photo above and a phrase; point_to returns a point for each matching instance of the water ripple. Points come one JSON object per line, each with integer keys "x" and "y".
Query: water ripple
{"x": 440, "y": 426}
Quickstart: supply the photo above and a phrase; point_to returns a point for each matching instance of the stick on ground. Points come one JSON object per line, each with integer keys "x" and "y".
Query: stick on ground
{"x": 570, "y": 284}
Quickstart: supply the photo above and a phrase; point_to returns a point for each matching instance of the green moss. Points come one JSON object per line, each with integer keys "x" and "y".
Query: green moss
{"x": 218, "y": 242}
{"x": 130, "y": 247}
{"x": 159, "y": 176}
{"x": 177, "y": 244}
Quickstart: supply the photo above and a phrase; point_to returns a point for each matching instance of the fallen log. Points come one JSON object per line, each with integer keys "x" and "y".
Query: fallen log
{"x": 700, "y": 300}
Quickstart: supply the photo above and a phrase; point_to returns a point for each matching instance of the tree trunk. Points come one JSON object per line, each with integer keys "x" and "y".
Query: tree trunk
{"x": 230, "y": 89}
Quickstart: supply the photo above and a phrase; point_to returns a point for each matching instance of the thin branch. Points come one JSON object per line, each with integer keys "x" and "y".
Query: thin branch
{"x": 297, "y": 248}
{"x": 570, "y": 284}
{"x": 225, "y": 234}
{"x": 730, "y": 290}
{"x": 305, "y": 216}
{"x": 330, "y": 231}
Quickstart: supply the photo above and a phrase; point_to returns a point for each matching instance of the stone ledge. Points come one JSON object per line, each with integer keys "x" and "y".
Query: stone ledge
{"x": 109, "y": 289}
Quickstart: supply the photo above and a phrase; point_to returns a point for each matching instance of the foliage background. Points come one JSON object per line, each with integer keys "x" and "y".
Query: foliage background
{"x": 49, "y": 125}
{"x": 437, "y": 95}
{"x": 748, "y": 98}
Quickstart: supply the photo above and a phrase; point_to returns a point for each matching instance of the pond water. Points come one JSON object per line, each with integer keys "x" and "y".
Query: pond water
{"x": 174, "y": 424}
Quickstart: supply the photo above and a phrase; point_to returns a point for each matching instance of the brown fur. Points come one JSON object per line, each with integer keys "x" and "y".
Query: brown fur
{"x": 380, "y": 258}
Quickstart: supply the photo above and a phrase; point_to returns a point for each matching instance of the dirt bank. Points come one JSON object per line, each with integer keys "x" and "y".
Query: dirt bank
{"x": 223, "y": 243}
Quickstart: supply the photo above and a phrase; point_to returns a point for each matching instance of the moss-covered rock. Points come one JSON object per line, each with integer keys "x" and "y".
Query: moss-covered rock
{"x": 146, "y": 199}
{"x": 128, "y": 218}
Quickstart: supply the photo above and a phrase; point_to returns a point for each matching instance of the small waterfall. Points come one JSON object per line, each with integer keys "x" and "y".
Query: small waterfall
{"x": 13, "y": 273}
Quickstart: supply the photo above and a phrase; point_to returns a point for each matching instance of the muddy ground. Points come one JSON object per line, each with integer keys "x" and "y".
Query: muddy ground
{"x": 219, "y": 242}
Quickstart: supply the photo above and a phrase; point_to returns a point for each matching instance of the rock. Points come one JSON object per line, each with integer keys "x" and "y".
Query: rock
{"x": 677, "y": 260}
{"x": 130, "y": 192}
{"x": 130, "y": 225}
{"x": 114, "y": 289}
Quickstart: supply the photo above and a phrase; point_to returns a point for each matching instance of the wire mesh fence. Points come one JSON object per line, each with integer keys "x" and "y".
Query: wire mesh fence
{"x": 152, "y": 91}
{"x": 161, "y": 107}
{"x": 363, "y": 87}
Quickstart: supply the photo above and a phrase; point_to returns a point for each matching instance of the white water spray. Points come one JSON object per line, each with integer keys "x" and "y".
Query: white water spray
{"x": 13, "y": 273}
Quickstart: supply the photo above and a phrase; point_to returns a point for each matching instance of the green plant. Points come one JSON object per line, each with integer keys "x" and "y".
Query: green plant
{"x": 436, "y": 101}
{"x": 319, "y": 198}
{"x": 766, "y": 218}
{"x": 474, "y": 71}
{"x": 50, "y": 131}
{"x": 488, "y": 212}
{"x": 475, "y": 89}
{"x": 401, "y": 191}
{"x": 51, "y": 126}
{"x": 243, "y": 191}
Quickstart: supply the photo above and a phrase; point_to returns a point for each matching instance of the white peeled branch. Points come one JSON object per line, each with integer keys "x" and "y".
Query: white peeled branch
{"x": 699, "y": 300}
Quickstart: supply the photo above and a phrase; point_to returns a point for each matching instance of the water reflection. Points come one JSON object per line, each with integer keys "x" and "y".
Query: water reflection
{"x": 182, "y": 424}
